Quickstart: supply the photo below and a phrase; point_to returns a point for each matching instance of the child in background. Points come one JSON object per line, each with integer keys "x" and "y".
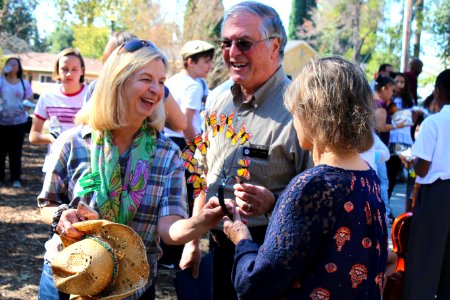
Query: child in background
{"x": 60, "y": 102}
{"x": 428, "y": 259}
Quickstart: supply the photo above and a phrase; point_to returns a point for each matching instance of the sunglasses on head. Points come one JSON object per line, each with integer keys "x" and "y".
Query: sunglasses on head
{"x": 242, "y": 45}
{"x": 135, "y": 44}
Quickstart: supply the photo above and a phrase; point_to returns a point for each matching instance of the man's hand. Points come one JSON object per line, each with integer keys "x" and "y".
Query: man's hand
{"x": 191, "y": 257}
{"x": 253, "y": 200}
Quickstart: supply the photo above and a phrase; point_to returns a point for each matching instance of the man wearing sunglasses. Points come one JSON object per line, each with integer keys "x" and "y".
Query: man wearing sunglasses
{"x": 252, "y": 43}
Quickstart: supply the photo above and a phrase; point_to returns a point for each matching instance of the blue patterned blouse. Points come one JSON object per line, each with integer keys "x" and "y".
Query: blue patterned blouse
{"x": 327, "y": 239}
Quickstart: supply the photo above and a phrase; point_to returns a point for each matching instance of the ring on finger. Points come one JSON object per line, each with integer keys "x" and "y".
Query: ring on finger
{"x": 248, "y": 207}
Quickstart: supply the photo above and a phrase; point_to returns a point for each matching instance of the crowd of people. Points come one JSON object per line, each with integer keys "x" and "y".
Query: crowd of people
{"x": 290, "y": 179}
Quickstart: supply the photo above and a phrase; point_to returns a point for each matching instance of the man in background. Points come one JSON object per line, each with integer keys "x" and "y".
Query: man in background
{"x": 415, "y": 68}
{"x": 384, "y": 70}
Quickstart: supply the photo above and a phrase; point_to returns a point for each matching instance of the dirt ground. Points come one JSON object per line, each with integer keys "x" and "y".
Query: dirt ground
{"x": 23, "y": 234}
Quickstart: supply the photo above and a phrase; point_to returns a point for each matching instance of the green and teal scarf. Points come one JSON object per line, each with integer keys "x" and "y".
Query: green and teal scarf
{"x": 118, "y": 198}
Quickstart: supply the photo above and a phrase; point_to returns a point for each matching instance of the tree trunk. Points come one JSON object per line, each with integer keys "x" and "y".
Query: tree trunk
{"x": 419, "y": 26}
{"x": 357, "y": 41}
{"x": 406, "y": 34}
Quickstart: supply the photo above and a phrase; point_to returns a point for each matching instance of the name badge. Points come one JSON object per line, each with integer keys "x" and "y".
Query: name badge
{"x": 256, "y": 151}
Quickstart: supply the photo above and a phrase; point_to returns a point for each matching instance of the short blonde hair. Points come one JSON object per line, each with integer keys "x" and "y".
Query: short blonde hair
{"x": 107, "y": 109}
{"x": 334, "y": 103}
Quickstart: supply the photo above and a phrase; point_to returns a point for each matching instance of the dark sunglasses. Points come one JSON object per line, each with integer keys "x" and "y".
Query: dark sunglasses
{"x": 135, "y": 44}
{"x": 243, "y": 45}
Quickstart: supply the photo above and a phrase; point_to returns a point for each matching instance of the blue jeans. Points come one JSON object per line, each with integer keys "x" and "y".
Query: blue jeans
{"x": 384, "y": 185}
{"x": 47, "y": 289}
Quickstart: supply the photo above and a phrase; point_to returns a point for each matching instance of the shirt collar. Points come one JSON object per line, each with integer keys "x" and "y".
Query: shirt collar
{"x": 85, "y": 131}
{"x": 445, "y": 108}
{"x": 263, "y": 91}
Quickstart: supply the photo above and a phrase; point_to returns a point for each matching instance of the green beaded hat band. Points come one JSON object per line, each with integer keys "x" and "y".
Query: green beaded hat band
{"x": 109, "y": 263}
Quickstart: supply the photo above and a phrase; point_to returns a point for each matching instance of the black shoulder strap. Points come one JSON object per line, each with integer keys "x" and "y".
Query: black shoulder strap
{"x": 24, "y": 89}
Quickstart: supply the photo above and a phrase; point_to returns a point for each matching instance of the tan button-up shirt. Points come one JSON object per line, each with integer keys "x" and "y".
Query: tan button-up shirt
{"x": 273, "y": 149}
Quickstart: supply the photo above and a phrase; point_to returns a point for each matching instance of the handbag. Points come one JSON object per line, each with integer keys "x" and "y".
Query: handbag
{"x": 29, "y": 121}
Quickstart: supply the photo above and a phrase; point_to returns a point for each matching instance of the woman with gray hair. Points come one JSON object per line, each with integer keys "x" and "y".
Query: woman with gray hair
{"x": 119, "y": 164}
{"x": 327, "y": 238}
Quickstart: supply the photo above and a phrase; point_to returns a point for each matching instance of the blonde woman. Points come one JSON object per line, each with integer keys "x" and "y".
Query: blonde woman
{"x": 135, "y": 173}
{"x": 327, "y": 238}
{"x": 175, "y": 119}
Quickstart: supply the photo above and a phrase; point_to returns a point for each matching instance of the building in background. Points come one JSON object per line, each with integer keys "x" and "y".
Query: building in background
{"x": 296, "y": 54}
{"x": 38, "y": 69}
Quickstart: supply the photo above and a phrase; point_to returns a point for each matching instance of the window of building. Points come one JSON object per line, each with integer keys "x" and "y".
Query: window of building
{"x": 45, "y": 78}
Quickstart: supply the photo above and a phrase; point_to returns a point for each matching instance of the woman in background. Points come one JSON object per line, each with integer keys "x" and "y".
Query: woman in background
{"x": 13, "y": 118}
{"x": 384, "y": 90}
{"x": 327, "y": 237}
{"x": 401, "y": 139}
{"x": 62, "y": 101}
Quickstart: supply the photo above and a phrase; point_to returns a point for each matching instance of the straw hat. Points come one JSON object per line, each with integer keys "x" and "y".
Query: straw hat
{"x": 87, "y": 267}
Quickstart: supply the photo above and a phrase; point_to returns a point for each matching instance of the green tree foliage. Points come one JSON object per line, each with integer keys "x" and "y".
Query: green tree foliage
{"x": 439, "y": 20}
{"x": 39, "y": 44}
{"x": 344, "y": 27}
{"x": 388, "y": 49}
{"x": 419, "y": 18}
{"x": 2, "y": 58}
{"x": 88, "y": 10}
{"x": 62, "y": 37}
{"x": 17, "y": 18}
{"x": 301, "y": 13}
{"x": 84, "y": 11}
{"x": 145, "y": 19}
{"x": 90, "y": 40}
{"x": 140, "y": 17}
{"x": 17, "y": 23}
{"x": 202, "y": 20}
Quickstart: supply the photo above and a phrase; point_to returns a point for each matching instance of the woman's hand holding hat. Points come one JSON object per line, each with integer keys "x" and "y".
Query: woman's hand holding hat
{"x": 65, "y": 228}
{"x": 110, "y": 263}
